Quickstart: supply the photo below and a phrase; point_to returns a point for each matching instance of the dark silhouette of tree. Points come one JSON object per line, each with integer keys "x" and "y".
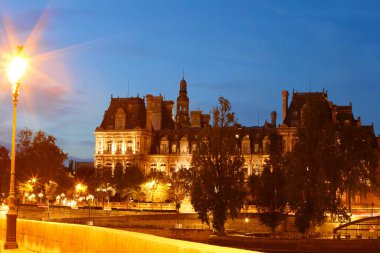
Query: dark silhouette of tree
{"x": 101, "y": 183}
{"x": 118, "y": 180}
{"x": 217, "y": 188}
{"x": 4, "y": 172}
{"x": 132, "y": 178}
{"x": 268, "y": 189}
{"x": 37, "y": 155}
{"x": 357, "y": 159}
{"x": 311, "y": 174}
{"x": 179, "y": 187}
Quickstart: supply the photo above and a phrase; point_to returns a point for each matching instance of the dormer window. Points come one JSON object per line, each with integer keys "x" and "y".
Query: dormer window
{"x": 164, "y": 146}
{"x": 184, "y": 145}
{"x": 120, "y": 117}
{"x": 246, "y": 145}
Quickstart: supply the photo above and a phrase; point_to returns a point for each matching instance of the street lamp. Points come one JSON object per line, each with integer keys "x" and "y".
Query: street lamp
{"x": 16, "y": 70}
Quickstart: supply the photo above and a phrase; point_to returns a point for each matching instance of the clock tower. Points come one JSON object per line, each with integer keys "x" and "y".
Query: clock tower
{"x": 182, "y": 117}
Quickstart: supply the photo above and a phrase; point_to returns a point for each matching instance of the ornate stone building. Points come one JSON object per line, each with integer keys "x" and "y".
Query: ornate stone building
{"x": 145, "y": 132}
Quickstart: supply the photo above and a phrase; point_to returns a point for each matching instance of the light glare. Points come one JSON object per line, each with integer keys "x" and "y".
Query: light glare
{"x": 16, "y": 69}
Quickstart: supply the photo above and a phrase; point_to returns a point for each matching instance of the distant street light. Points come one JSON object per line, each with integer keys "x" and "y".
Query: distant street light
{"x": 16, "y": 70}
{"x": 40, "y": 195}
{"x": 246, "y": 220}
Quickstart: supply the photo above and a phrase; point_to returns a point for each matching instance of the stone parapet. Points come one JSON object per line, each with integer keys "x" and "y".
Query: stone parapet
{"x": 43, "y": 237}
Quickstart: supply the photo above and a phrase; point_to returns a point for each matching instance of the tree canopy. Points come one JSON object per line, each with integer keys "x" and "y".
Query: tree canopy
{"x": 4, "y": 172}
{"x": 268, "y": 189}
{"x": 217, "y": 188}
{"x": 311, "y": 170}
{"x": 37, "y": 155}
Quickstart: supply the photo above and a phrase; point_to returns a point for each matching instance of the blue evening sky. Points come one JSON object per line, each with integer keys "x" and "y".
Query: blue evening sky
{"x": 248, "y": 51}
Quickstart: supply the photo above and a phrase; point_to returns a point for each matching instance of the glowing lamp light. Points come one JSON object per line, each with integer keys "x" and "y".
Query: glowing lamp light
{"x": 16, "y": 69}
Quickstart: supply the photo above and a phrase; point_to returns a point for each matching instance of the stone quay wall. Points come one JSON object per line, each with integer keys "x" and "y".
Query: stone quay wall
{"x": 41, "y": 236}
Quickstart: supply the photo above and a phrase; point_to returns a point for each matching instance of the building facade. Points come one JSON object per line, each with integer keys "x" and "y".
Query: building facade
{"x": 149, "y": 133}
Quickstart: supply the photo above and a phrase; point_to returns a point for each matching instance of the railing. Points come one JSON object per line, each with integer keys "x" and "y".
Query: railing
{"x": 368, "y": 227}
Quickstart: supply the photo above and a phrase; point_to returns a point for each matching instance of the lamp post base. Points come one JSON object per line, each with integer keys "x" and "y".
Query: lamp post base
{"x": 10, "y": 242}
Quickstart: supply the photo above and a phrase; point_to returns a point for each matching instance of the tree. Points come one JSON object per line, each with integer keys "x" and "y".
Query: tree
{"x": 217, "y": 188}
{"x": 101, "y": 183}
{"x": 179, "y": 186}
{"x": 50, "y": 190}
{"x": 268, "y": 189}
{"x": 155, "y": 188}
{"x": 118, "y": 180}
{"x": 310, "y": 170}
{"x": 357, "y": 159}
{"x": 4, "y": 172}
{"x": 133, "y": 177}
{"x": 37, "y": 155}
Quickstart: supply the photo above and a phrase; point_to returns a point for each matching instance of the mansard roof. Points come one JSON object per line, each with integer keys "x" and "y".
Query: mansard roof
{"x": 134, "y": 109}
{"x": 337, "y": 113}
{"x": 299, "y": 99}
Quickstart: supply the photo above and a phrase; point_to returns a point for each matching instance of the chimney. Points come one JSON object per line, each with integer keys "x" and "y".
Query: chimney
{"x": 149, "y": 111}
{"x": 273, "y": 117}
{"x": 285, "y": 95}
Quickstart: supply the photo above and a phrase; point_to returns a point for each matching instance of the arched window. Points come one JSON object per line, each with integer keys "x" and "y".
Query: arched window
{"x": 163, "y": 167}
{"x": 153, "y": 167}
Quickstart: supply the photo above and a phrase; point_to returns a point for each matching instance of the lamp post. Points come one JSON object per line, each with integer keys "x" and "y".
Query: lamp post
{"x": 16, "y": 70}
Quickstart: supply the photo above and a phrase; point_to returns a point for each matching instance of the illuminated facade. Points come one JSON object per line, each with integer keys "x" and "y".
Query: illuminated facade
{"x": 145, "y": 132}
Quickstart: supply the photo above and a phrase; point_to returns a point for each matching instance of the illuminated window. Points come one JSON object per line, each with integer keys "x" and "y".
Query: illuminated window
{"x": 109, "y": 146}
{"x": 193, "y": 147}
{"x": 100, "y": 147}
{"x": 137, "y": 145}
{"x": 256, "y": 148}
{"x": 174, "y": 148}
{"x": 153, "y": 167}
{"x": 184, "y": 145}
{"x": 164, "y": 145}
{"x": 129, "y": 146}
{"x": 266, "y": 145}
{"x": 163, "y": 167}
{"x": 118, "y": 146}
{"x": 246, "y": 145}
